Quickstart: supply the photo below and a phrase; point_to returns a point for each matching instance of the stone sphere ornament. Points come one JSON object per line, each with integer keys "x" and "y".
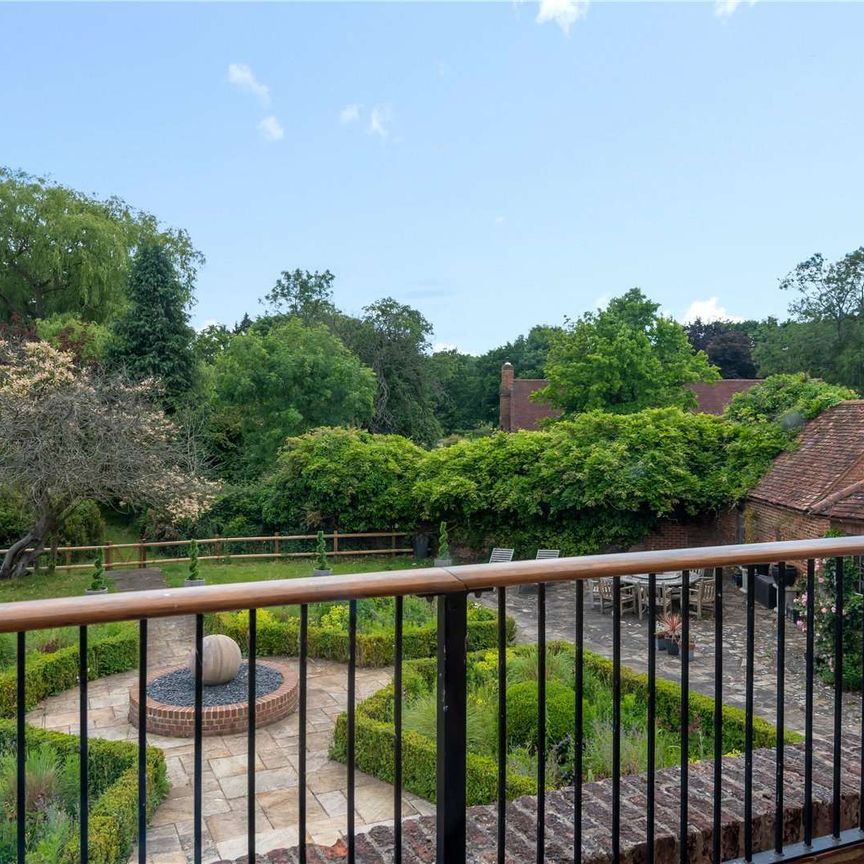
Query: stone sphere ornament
{"x": 221, "y": 660}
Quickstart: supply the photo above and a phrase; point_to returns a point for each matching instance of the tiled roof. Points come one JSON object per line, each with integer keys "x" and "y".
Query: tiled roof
{"x": 828, "y": 463}
{"x": 713, "y": 398}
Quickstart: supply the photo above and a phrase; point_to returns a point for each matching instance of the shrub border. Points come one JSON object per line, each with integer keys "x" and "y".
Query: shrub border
{"x": 375, "y": 733}
{"x": 113, "y": 790}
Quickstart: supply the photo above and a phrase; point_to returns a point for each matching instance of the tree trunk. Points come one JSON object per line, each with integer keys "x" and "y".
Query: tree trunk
{"x": 26, "y": 551}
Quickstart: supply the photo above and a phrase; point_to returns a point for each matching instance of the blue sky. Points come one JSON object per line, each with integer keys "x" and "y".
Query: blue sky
{"x": 496, "y": 165}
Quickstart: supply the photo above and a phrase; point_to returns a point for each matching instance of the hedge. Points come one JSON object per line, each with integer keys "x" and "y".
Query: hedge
{"x": 376, "y": 734}
{"x": 50, "y": 674}
{"x": 113, "y": 786}
{"x": 281, "y": 637}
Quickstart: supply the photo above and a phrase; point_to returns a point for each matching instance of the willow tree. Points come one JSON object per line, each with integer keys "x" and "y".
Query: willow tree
{"x": 69, "y": 435}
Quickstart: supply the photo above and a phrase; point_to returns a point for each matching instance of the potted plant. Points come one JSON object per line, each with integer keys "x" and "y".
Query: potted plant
{"x": 671, "y": 625}
{"x": 322, "y": 567}
{"x": 98, "y": 584}
{"x": 443, "y": 558}
{"x": 194, "y": 578}
{"x": 690, "y": 648}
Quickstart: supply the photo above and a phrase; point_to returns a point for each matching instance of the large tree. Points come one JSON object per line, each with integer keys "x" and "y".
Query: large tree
{"x": 64, "y": 251}
{"x": 282, "y": 382}
{"x": 68, "y": 435}
{"x": 728, "y": 344}
{"x": 622, "y": 359}
{"x": 304, "y": 295}
{"x": 152, "y": 338}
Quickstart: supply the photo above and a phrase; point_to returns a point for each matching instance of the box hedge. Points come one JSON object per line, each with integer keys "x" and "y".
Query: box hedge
{"x": 375, "y": 733}
{"x": 50, "y": 674}
{"x": 113, "y": 785}
{"x": 280, "y": 637}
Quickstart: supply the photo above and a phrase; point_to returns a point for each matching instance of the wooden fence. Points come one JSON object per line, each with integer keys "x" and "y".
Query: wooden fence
{"x": 275, "y": 546}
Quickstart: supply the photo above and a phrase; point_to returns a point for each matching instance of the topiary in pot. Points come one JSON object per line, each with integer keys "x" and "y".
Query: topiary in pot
{"x": 443, "y": 558}
{"x": 322, "y": 567}
{"x": 194, "y": 578}
{"x": 98, "y": 584}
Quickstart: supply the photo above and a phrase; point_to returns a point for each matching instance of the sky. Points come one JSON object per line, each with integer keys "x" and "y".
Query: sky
{"x": 496, "y": 165}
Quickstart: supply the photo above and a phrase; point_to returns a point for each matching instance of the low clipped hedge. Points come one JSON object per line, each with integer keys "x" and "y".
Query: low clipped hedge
{"x": 375, "y": 733}
{"x": 281, "y": 637}
{"x": 50, "y": 674}
{"x": 113, "y": 787}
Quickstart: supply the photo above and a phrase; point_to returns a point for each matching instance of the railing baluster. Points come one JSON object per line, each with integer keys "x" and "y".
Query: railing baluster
{"x": 716, "y": 835}
{"x": 685, "y": 713}
{"x": 250, "y": 741}
{"x": 861, "y": 737}
{"x": 541, "y": 723}
{"x": 352, "y": 723}
{"x": 616, "y": 719}
{"x": 838, "y": 696}
{"x": 397, "y": 729}
{"x": 748, "y": 716}
{"x": 142, "y": 741}
{"x": 578, "y": 732}
{"x": 781, "y": 717}
{"x": 21, "y": 748}
{"x": 301, "y": 744}
{"x": 198, "y": 755}
{"x": 651, "y": 720}
{"x": 808, "y": 704}
{"x": 502, "y": 723}
{"x": 83, "y": 749}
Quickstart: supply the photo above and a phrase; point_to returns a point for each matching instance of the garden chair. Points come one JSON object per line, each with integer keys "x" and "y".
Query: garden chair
{"x": 594, "y": 591}
{"x": 702, "y": 596}
{"x": 545, "y": 554}
{"x": 501, "y": 556}
{"x": 631, "y": 599}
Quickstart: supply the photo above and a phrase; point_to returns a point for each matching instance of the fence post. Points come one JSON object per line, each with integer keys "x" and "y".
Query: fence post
{"x": 108, "y": 555}
{"x": 142, "y": 556}
{"x": 393, "y": 545}
{"x": 452, "y": 736}
{"x": 276, "y": 544}
{"x": 68, "y": 557}
{"x": 218, "y": 548}
{"x": 335, "y": 542}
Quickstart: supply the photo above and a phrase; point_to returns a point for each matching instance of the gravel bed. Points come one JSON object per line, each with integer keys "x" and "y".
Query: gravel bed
{"x": 178, "y": 687}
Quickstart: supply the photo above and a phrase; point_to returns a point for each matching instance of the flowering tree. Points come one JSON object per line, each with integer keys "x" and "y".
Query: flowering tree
{"x": 69, "y": 434}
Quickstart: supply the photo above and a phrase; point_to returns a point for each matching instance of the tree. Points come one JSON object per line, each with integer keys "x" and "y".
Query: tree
{"x": 269, "y": 386}
{"x": 153, "y": 339}
{"x": 623, "y": 359}
{"x": 304, "y": 295}
{"x": 86, "y": 341}
{"x": 392, "y": 339}
{"x": 728, "y": 344}
{"x": 64, "y": 251}
{"x": 68, "y": 435}
{"x": 455, "y": 390}
{"x": 211, "y": 341}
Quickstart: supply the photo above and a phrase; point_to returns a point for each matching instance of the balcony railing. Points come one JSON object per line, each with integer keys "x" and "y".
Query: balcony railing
{"x": 452, "y": 587}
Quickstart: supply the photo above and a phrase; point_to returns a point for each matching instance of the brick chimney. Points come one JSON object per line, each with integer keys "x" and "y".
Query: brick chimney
{"x": 505, "y": 395}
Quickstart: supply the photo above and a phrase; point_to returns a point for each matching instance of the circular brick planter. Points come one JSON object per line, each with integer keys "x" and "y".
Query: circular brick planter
{"x": 175, "y": 721}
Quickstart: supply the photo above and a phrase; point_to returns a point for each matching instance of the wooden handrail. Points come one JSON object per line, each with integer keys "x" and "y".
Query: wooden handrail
{"x": 95, "y": 609}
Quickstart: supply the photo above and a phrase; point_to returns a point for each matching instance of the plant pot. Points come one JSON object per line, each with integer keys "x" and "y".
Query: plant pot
{"x": 443, "y": 562}
{"x": 662, "y": 642}
{"x": 96, "y": 590}
{"x": 420, "y": 545}
{"x": 317, "y": 572}
{"x": 690, "y": 652}
{"x": 194, "y": 583}
{"x": 673, "y": 648}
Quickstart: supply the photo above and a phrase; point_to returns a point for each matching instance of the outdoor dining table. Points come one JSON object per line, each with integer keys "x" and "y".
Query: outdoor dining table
{"x": 669, "y": 579}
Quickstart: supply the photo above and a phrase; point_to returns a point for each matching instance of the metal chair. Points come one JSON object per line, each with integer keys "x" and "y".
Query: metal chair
{"x": 545, "y": 554}
{"x": 501, "y": 556}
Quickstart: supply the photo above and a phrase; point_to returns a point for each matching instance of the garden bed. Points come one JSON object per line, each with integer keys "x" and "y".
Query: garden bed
{"x": 52, "y": 803}
{"x": 375, "y": 731}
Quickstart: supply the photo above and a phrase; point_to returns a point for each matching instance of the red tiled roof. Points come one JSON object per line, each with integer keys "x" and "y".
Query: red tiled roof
{"x": 825, "y": 472}
{"x": 713, "y": 398}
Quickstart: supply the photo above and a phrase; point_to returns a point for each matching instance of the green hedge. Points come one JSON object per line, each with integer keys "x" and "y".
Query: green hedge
{"x": 280, "y": 637}
{"x": 376, "y": 735}
{"x": 113, "y": 767}
{"x": 50, "y": 674}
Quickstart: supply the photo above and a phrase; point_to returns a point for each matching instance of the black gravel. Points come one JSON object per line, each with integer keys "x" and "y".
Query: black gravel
{"x": 178, "y": 687}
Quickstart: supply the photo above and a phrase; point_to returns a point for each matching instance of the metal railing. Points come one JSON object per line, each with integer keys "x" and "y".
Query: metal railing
{"x": 452, "y": 587}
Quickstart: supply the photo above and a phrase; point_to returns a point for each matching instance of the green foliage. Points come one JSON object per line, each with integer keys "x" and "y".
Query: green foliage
{"x": 83, "y": 526}
{"x": 443, "y": 541}
{"x": 786, "y": 401}
{"x": 281, "y": 383}
{"x": 728, "y": 345}
{"x": 623, "y": 359}
{"x": 321, "y": 553}
{"x": 304, "y": 295}
{"x": 345, "y": 479}
{"x": 87, "y": 341}
{"x": 63, "y": 251}
{"x": 194, "y": 566}
{"x": 522, "y": 713}
{"x": 97, "y": 583}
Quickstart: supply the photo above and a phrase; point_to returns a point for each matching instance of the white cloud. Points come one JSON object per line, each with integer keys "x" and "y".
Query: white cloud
{"x": 565, "y": 13}
{"x": 243, "y": 78}
{"x": 350, "y": 113}
{"x": 379, "y": 121}
{"x": 499, "y": 220}
{"x": 725, "y": 8}
{"x": 271, "y": 129}
{"x": 708, "y": 310}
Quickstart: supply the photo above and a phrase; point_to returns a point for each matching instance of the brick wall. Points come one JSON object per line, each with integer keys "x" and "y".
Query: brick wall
{"x": 721, "y": 530}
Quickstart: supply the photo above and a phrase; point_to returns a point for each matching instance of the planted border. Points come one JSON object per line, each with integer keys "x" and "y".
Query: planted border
{"x": 277, "y": 637}
{"x": 375, "y": 731}
{"x": 113, "y": 790}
